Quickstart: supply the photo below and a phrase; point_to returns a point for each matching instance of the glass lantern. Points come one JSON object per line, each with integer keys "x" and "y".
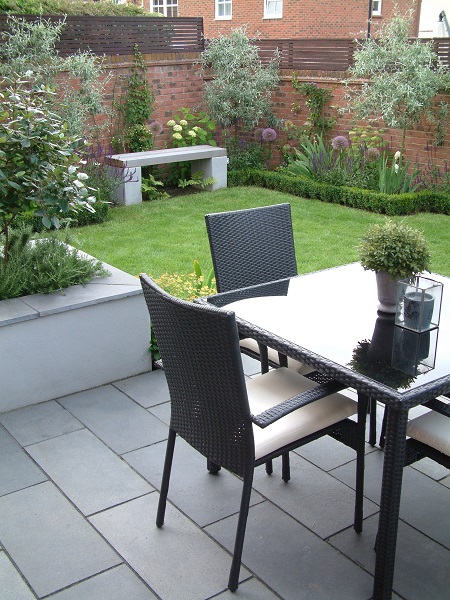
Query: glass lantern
{"x": 418, "y": 303}
{"x": 413, "y": 352}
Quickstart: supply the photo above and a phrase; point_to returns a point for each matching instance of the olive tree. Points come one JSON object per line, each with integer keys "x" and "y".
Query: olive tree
{"x": 78, "y": 80}
{"x": 241, "y": 88}
{"x": 400, "y": 78}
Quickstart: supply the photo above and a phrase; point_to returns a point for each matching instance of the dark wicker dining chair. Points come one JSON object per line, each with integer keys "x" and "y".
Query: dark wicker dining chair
{"x": 234, "y": 424}
{"x": 249, "y": 247}
{"x": 429, "y": 434}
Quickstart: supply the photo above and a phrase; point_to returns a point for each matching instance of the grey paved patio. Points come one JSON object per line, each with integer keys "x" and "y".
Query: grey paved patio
{"x": 79, "y": 480}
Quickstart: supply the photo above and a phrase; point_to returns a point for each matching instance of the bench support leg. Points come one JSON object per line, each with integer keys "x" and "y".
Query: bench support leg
{"x": 129, "y": 191}
{"x": 212, "y": 167}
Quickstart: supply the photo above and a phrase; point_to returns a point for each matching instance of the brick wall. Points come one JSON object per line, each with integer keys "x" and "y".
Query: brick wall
{"x": 416, "y": 140}
{"x": 301, "y": 18}
{"x": 176, "y": 82}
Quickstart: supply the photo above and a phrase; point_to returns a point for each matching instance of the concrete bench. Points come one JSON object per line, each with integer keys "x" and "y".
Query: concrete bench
{"x": 209, "y": 160}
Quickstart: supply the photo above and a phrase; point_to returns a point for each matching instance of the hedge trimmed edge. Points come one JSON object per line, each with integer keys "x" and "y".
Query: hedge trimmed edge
{"x": 389, "y": 204}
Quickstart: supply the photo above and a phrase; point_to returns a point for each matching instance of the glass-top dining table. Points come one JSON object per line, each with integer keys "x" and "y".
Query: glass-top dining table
{"x": 329, "y": 321}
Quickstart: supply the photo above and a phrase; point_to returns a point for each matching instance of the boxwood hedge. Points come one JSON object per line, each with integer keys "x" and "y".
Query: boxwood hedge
{"x": 389, "y": 204}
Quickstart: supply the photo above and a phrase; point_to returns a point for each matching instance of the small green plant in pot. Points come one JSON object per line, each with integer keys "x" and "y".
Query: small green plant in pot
{"x": 394, "y": 251}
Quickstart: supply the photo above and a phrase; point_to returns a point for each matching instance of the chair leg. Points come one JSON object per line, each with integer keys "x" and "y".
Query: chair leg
{"x": 383, "y": 431}
{"x": 233, "y": 580}
{"x": 372, "y": 422}
{"x": 212, "y": 467}
{"x": 363, "y": 402}
{"x": 264, "y": 359}
{"x": 165, "y": 478}
{"x": 285, "y": 467}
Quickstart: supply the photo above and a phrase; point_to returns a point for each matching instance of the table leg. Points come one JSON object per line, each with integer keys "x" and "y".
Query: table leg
{"x": 394, "y": 457}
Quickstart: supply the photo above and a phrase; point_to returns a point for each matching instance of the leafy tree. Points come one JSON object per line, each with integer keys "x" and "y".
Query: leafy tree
{"x": 78, "y": 79}
{"x": 242, "y": 86}
{"x": 73, "y": 7}
{"x": 39, "y": 166}
{"x": 404, "y": 77}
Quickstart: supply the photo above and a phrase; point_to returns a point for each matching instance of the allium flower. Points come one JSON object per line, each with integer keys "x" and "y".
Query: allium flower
{"x": 177, "y": 136}
{"x": 339, "y": 142}
{"x": 155, "y": 127}
{"x": 183, "y": 122}
{"x": 373, "y": 154}
{"x": 171, "y": 123}
{"x": 258, "y": 133}
{"x": 192, "y": 133}
{"x": 177, "y": 128}
{"x": 269, "y": 135}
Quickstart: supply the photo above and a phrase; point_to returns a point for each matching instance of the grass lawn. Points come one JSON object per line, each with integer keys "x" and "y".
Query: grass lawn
{"x": 165, "y": 236}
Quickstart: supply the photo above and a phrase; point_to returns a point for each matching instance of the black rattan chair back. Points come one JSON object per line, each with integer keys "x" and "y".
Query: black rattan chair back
{"x": 251, "y": 246}
{"x": 199, "y": 346}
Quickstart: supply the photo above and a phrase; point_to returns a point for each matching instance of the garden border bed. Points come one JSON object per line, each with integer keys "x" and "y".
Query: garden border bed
{"x": 66, "y": 342}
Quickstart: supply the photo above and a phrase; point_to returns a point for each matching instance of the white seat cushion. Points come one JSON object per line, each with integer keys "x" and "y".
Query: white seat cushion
{"x": 293, "y": 364}
{"x": 432, "y": 429}
{"x": 280, "y": 384}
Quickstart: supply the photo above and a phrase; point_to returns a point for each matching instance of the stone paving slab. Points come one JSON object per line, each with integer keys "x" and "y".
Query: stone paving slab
{"x": 119, "y": 583}
{"x": 424, "y": 504}
{"x": 39, "y": 422}
{"x": 313, "y": 497}
{"x": 49, "y": 541}
{"x": 148, "y": 389}
{"x": 87, "y": 471}
{"x": 292, "y": 560}
{"x": 178, "y": 561}
{"x": 17, "y": 470}
{"x": 119, "y": 422}
{"x": 12, "y": 586}
{"x": 203, "y": 497}
{"x": 422, "y": 566}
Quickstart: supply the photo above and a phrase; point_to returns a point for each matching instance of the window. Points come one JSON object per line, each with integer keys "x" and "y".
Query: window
{"x": 376, "y": 7}
{"x": 223, "y": 9}
{"x": 168, "y": 8}
{"x": 273, "y": 9}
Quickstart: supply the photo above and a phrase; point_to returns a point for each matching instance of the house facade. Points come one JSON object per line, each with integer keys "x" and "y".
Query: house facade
{"x": 289, "y": 18}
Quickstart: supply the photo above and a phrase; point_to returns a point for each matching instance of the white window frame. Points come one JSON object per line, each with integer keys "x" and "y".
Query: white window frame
{"x": 376, "y": 8}
{"x": 224, "y": 4}
{"x": 277, "y": 5}
{"x": 172, "y": 3}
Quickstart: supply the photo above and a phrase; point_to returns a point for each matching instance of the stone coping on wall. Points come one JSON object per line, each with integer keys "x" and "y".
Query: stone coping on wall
{"x": 101, "y": 289}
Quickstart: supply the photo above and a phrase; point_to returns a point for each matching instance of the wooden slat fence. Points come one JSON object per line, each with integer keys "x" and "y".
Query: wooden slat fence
{"x": 118, "y": 35}
{"x": 327, "y": 54}
{"x": 309, "y": 54}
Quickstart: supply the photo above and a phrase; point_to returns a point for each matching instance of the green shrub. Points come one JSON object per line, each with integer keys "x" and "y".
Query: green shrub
{"x": 74, "y": 218}
{"x": 389, "y": 204}
{"x": 43, "y": 266}
{"x": 73, "y": 7}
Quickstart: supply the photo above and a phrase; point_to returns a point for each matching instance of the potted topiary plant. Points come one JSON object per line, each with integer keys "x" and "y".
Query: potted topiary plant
{"x": 394, "y": 251}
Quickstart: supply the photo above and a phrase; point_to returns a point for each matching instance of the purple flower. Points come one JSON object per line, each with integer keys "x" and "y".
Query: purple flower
{"x": 155, "y": 127}
{"x": 269, "y": 135}
{"x": 373, "y": 154}
{"x": 339, "y": 142}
